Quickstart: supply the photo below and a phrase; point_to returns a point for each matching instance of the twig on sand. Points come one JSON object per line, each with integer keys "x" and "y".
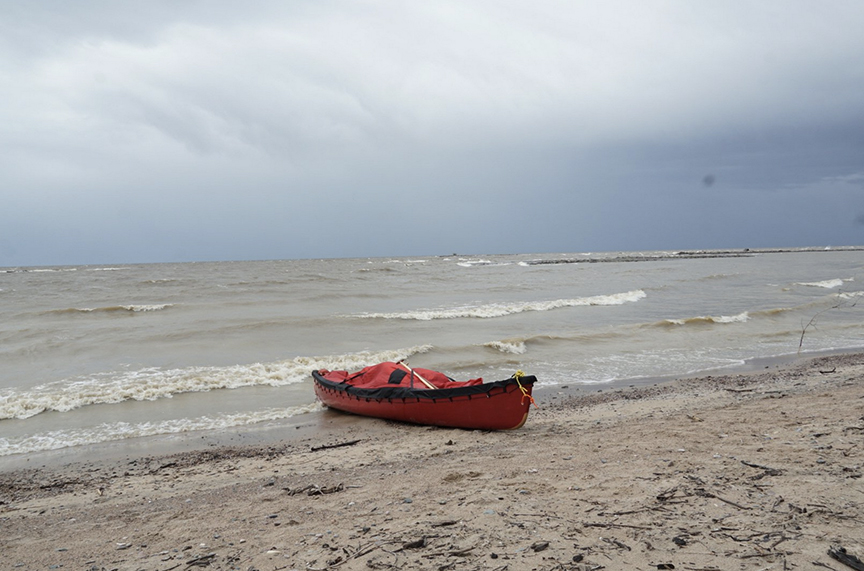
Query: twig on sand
{"x": 707, "y": 494}
{"x": 328, "y": 446}
{"x": 767, "y": 470}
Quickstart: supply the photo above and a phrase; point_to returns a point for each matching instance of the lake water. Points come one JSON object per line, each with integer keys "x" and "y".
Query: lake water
{"x": 96, "y": 354}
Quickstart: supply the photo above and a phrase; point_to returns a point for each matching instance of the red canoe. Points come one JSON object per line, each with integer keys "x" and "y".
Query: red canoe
{"x": 396, "y": 392}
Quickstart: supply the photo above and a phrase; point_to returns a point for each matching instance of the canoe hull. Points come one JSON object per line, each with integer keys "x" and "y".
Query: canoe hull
{"x": 493, "y": 406}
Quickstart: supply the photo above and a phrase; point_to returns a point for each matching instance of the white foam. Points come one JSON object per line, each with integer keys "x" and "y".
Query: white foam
{"x": 156, "y": 383}
{"x": 155, "y": 307}
{"x": 513, "y": 347}
{"x": 850, "y": 294}
{"x": 503, "y": 309}
{"x": 742, "y": 317}
{"x": 135, "y": 308}
{"x": 473, "y": 263}
{"x": 107, "y": 432}
{"x": 829, "y": 284}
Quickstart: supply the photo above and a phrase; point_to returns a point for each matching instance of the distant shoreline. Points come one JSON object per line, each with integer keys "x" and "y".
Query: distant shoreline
{"x": 622, "y": 257}
{"x": 691, "y": 255}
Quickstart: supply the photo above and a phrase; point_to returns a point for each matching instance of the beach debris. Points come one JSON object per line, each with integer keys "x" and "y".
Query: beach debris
{"x": 202, "y": 561}
{"x": 443, "y": 523}
{"x": 707, "y": 494}
{"x": 159, "y": 467}
{"x": 416, "y": 544}
{"x": 666, "y": 495}
{"x": 616, "y": 543}
{"x": 767, "y": 471}
{"x": 840, "y": 554}
{"x": 315, "y": 490}
{"x": 339, "y": 445}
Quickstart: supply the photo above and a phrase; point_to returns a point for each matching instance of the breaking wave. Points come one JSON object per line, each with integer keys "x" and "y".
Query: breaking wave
{"x": 115, "y": 309}
{"x": 108, "y": 432}
{"x": 472, "y": 263}
{"x": 513, "y": 347}
{"x": 503, "y": 309}
{"x": 828, "y": 284}
{"x": 157, "y": 383}
{"x": 850, "y": 294}
{"x": 742, "y": 317}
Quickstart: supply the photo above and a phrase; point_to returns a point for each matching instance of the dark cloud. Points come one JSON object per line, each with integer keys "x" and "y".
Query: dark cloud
{"x": 149, "y": 131}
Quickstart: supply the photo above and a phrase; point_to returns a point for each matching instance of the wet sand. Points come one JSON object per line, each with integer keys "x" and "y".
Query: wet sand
{"x": 748, "y": 471}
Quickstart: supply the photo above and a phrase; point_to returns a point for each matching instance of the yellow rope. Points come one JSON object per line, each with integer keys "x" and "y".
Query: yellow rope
{"x": 518, "y": 375}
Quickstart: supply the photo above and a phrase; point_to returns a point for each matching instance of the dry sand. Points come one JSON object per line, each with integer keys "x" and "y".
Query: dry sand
{"x": 758, "y": 471}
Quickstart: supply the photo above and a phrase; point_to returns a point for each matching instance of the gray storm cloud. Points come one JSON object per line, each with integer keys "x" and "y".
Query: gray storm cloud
{"x": 214, "y": 131}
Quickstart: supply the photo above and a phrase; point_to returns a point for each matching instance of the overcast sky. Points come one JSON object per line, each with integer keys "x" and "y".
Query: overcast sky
{"x": 149, "y": 131}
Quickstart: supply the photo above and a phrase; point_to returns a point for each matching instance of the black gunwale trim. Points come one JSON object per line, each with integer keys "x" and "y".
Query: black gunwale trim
{"x": 429, "y": 394}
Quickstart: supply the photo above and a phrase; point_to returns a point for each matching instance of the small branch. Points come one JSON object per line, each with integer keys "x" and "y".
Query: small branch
{"x": 812, "y": 322}
{"x": 328, "y": 446}
{"x": 203, "y": 561}
{"x": 708, "y": 494}
{"x": 614, "y": 525}
{"x": 768, "y": 471}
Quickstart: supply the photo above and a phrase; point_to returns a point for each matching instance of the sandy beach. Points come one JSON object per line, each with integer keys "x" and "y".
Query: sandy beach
{"x": 751, "y": 471}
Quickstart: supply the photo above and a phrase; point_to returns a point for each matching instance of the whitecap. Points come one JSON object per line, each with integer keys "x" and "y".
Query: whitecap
{"x": 850, "y": 294}
{"x": 156, "y": 383}
{"x": 108, "y": 432}
{"x": 134, "y": 308}
{"x": 515, "y": 347}
{"x": 471, "y": 263}
{"x": 504, "y": 309}
{"x": 828, "y": 284}
{"x": 742, "y": 317}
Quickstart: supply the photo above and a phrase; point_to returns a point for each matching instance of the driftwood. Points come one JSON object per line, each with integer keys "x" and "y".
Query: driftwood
{"x": 60, "y": 484}
{"x": 768, "y": 471}
{"x": 162, "y": 467}
{"x": 315, "y": 490}
{"x": 840, "y": 554}
{"x": 707, "y": 494}
{"x": 328, "y": 446}
{"x": 203, "y": 561}
{"x": 443, "y": 523}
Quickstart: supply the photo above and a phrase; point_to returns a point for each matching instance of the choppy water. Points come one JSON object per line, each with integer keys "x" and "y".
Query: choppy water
{"x": 97, "y": 354}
